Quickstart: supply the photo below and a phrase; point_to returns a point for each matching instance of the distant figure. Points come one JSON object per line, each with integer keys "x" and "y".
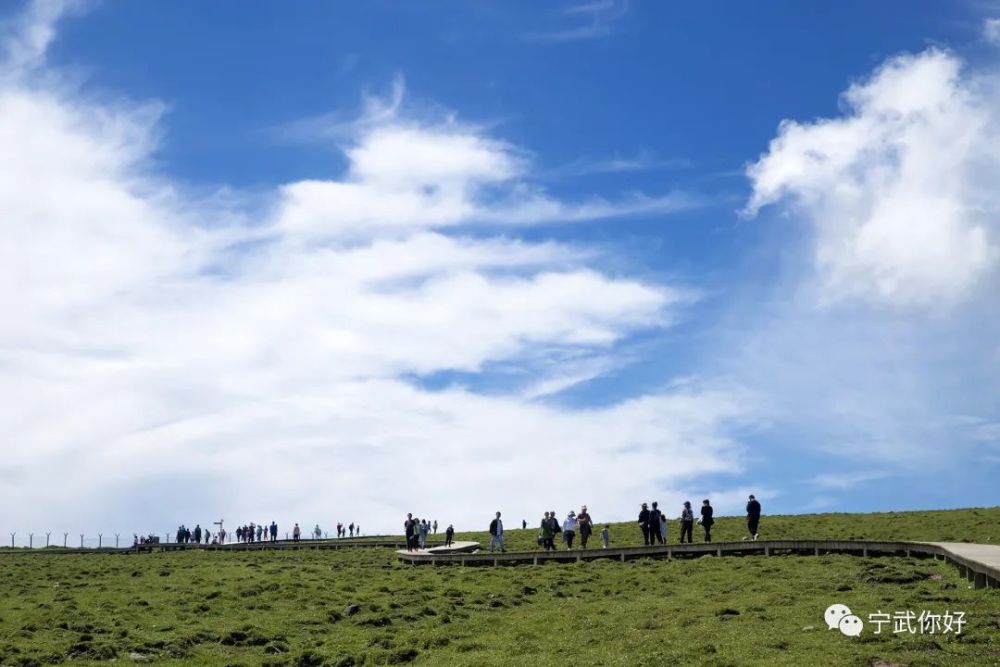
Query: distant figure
{"x": 197, "y": 533}
{"x": 357, "y": 530}
{"x": 654, "y": 525}
{"x": 556, "y": 527}
{"x": 663, "y": 528}
{"x": 435, "y": 526}
{"x": 274, "y": 531}
{"x": 350, "y": 529}
{"x": 424, "y": 528}
{"x": 586, "y": 526}
{"x": 644, "y": 523}
{"x": 239, "y": 533}
{"x": 449, "y": 535}
{"x": 496, "y": 534}
{"x": 317, "y": 533}
{"x": 524, "y": 524}
{"x": 409, "y": 527}
{"x": 606, "y": 536}
{"x": 569, "y": 529}
{"x": 706, "y": 519}
{"x": 687, "y": 522}
{"x": 296, "y": 533}
{"x": 753, "y": 517}
{"x": 546, "y": 533}
{"x": 260, "y": 533}
{"x": 253, "y": 530}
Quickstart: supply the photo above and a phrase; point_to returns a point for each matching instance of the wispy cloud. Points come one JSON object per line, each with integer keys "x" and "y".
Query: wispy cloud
{"x": 641, "y": 161}
{"x": 847, "y": 480}
{"x": 592, "y": 20}
{"x": 991, "y": 31}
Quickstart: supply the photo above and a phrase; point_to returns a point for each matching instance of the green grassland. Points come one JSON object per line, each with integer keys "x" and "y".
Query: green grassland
{"x": 291, "y": 607}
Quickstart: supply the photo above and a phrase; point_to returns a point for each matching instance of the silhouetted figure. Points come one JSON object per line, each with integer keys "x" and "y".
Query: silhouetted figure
{"x": 197, "y": 533}
{"x": 753, "y": 517}
{"x": 687, "y": 522}
{"x": 644, "y": 523}
{"x": 707, "y": 521}
{"x": 496, "y": 534}
{"x": 296, "y": 533}
{"x": 435, "y": 526}
{"x": 409, "y": 526}
{"x": 654, "y": 525}
{"x": 548, "y": 530}
{"x": 449, "y": 535}
{"x": 586, "y": 526}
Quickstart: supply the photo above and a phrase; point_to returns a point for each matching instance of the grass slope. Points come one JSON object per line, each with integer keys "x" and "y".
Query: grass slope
{"x": 290, "y": 608}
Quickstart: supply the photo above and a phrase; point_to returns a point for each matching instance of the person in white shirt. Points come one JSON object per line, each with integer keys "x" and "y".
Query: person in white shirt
{"x": 569, "y": 529}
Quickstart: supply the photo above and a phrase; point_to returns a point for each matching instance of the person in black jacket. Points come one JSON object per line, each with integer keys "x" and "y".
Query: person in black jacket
{"x": 449, "y": 535}
{"x": 753, "y": 517}
{"x": 706, "y": 519}
{"x": 410, "y": 527}
{"x": 654, "y": 525}
{"x": 644, "y": 524}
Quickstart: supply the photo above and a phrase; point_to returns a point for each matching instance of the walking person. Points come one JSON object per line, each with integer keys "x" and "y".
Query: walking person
{"x": 424, "y": 527}
{"x": 556, "y": 527}
{"x": 435, "y": 526}
{"x": 586, "y": 526}
{"x": 409, "y": 526}
{"x": 663, "y": 529}
{"x": 707, "y": 521}
{"x": 606, "y": 536}
{"x": 687, "y": 522}
{"x": 260, "y": 532}
{"x": 569, "y": 529}
{"x": 547, "y": 533}
{"x": 449, "y": 535}
{"x": 496, "y": 534}
{"x": 753, "y": 517}
{"x": 644, "y": 523}
{"x": 274, "y": 531}
{"x": 296, "y": 533}
{"x": 654, "y": 525}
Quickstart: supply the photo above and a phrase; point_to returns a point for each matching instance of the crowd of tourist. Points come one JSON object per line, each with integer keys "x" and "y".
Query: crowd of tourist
{"x": 653, "y": 524}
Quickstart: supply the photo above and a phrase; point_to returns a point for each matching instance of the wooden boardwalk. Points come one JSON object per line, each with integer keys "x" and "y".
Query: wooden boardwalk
{"x": 980, "y": 563}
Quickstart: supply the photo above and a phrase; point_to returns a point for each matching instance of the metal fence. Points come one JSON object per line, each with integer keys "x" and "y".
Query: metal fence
{"x": 111, "y": 540}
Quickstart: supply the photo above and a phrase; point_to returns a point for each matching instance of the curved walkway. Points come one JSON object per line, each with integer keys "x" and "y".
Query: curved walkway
{"x": 980, "y": 563}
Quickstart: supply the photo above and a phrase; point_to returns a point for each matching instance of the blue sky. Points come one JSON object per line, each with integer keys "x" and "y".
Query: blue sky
{"x": 531, "y": 254}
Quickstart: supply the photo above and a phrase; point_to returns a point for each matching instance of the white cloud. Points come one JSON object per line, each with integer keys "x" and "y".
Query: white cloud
{"x": 261, "y": 364}
{"x": 991, "y": 30}
{"x": 599, "y": 19}
{"x": 901, "y": 189}
{"x": 846, "y": 480}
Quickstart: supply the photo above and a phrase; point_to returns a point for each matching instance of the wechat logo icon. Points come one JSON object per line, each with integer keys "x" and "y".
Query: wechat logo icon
{"x": 839, "y": 617}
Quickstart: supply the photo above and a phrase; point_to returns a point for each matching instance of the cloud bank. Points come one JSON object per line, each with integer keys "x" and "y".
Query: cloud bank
{"x": 169, "y": 357}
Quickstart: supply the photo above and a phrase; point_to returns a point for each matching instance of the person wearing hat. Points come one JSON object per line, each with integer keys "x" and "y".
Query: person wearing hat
{"x": 687, "y": 522}
{"x": 644, "y": 523}
{"x": 586, "y": 526}
{"x": 569, "y": 529}
{"x": 753, "y": 517}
